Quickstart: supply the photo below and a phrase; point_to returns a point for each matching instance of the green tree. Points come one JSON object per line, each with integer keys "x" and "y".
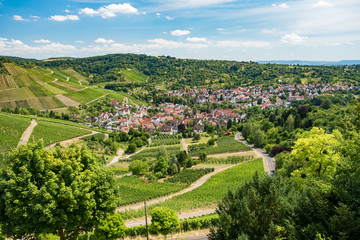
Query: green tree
{"x": 110, "y": 228}
{"x": 161, "y": 167}
{"x": 197, "y": 137}
{"x": 290, "y": 123}
{"x": 259, "y": 138}
{"x": 164, "y": 221}
{"x": 64, "y": 192}
{"x": 138, "y": 167}
{"x": 131, "y": 148}
{"x": 229, "y": 124}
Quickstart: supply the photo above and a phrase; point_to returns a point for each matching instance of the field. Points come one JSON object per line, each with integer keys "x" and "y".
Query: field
{"x": 11, "y": 129}
{"x": 152, "y": 152}
{"x": 224, "y": 144}
{"x": 86, "y": 95}
{"x": 30, "y": 88}
{"x": 211, "y": 192}
{"x": 133, "y": 75}
{"x": 53, "y": 132}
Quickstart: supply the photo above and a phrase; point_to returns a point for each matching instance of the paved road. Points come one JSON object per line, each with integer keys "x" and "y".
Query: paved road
{"x": 27, "y": 133}
{"x": 269, "y": 162}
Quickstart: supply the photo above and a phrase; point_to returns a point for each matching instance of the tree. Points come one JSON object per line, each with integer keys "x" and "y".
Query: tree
{"x": 229, "y": 124}
{"x": 259, "y": 138}
{"x": 110, "y": 228}
{"x": 138, "y": 167}
{"x": 197, "y": 137}
{"x": 181, "y": 128}
{"x": 131, "y": 148}
{"x": 161, "y": 167}
{"x": 164, "y": 221}
{"x": 290, "y": 123}
{"x": 62, "y": 192}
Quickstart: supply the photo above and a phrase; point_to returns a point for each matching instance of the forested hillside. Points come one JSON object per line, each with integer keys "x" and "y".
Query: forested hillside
{"x": 173, "y": 73}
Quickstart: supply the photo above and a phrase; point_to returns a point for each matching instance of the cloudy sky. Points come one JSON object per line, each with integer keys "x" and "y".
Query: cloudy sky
{"x": 241, "y": 30}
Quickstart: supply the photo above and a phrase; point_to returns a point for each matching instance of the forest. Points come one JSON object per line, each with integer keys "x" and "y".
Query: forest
{"x": 181, "y": 73}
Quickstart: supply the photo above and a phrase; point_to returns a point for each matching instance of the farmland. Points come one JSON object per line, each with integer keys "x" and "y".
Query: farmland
{"x": 211, "y": 192}
{"x": 11, "y": 129}
{"x": 53, "y": 132}
{"x": 86, "y": 95}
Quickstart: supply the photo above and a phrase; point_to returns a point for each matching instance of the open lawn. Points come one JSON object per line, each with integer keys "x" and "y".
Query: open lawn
{"x": 211, "y": 192}
{"x": 52, "y": 132}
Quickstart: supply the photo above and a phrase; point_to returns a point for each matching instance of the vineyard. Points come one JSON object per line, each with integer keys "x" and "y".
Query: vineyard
{"x": 153, "y": 152}
{"x": 229, "y": 160}
{"x": 134, "y": 189}
{"x": 11, "y": 129}
{"x": 224, "y": 144}
{"x": 188, "y": 176}
{"x": 210, "y": 193}
{"x": 52, "y": 132}
{"x": 165, "y": 139}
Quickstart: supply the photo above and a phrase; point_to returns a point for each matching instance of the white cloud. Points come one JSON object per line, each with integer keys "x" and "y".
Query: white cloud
{"x": 79, "y": 41}
{"x": 196, "y": 40}
{"x": 36, "y": 17}
{"x": 158, "y": 14}
{"x": 181, "y": 4}
{"x": 67, "y": 11}
{"x": 237, "y": 44}
{"x": 281, "y": 5}
{"x": 322, "y": 4}
{"x": 293, "y": 38}
{"x": 180, "y": 32}
{"x": 110, "y": 10}
{"x": 220, "y": 29}
{"x": 42, "y": 41}
{"x": 169, "y": 18}
{"x": 103, "y": 40}
{"x": 61, "y": 18}
{"x": 17, "y": 47}
{"x": 163, "y": 43}
{"x": 19, "y": 18}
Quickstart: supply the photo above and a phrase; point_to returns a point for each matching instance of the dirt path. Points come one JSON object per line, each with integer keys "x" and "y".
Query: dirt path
{"x": 67, "y": 79}
{"x": 225, "y": 155}
{"x": 268, "y": 162}
{"x": 67, "y": 101}
{"x": 97, "y": 98}
{"x": 185, "y": 146}
{"x": 193, "y": 186}
{"x": 27, "y": 133}
{"x": 70, "y": 141}
{"x": 119, "y": 154}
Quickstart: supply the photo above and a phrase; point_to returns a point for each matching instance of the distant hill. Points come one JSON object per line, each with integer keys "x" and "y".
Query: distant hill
{"x": 312, "y": 63}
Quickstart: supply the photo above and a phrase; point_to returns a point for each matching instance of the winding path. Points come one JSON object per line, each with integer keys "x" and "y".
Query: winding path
{"x": 27, "y": 133}
{"x": 268, "y": 162}
{"x": 97, "y": 98}
{"x": 68, "y": 142}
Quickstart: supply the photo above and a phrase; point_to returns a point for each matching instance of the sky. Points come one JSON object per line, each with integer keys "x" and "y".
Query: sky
{"x": 242, "y": 30}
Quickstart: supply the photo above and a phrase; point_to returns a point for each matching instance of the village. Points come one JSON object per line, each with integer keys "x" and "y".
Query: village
{"x": 168, "y": 116}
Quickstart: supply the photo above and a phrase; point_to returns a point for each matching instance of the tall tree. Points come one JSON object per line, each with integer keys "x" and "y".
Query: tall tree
{"x": 63, "y": 192}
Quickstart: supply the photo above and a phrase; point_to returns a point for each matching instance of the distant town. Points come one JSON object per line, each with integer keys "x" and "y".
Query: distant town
{"x": 169, "y": 115}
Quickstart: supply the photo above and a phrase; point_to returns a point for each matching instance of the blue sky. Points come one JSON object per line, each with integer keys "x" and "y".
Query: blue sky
{"x": 243, "y": 30}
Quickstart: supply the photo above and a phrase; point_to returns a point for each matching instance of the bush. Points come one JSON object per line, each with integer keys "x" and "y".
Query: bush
{"x": 276, "y": 150}
{"x": 131, "y": 148}
{"x": 138, "y": 167}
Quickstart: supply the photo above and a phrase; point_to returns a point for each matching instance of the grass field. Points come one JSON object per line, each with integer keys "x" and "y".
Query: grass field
{"x": 52, "y": 132}
{"x": 133, "y": 75}
{"x": 211, "y": 192}
{"x": 11, "y": 129}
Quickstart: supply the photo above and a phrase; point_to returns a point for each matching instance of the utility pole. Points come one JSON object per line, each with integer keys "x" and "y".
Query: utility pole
{"x": 146, "y": 223}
